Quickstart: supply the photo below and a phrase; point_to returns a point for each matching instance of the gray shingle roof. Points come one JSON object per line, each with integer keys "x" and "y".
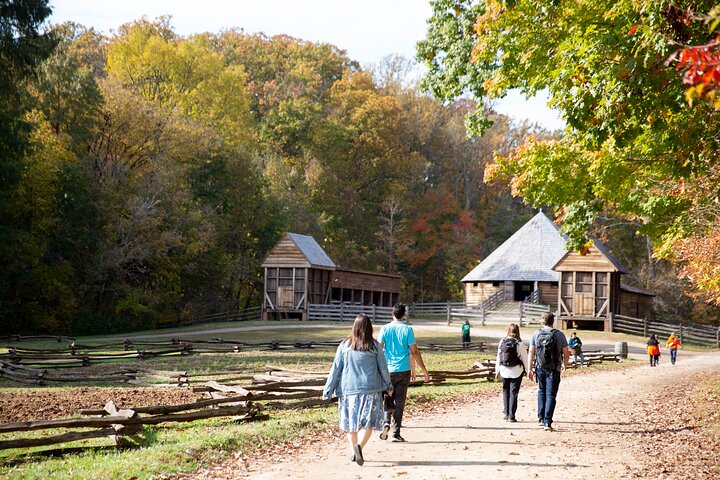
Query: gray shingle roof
{"x": 312, "y": 250}
{"x": 641, "y": 291}
{"x": 528, "y": 255}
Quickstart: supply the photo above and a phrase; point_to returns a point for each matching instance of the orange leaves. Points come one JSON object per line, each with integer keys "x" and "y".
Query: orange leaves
{"x": 702, "y": 70}
{"x": 632, "y": 30}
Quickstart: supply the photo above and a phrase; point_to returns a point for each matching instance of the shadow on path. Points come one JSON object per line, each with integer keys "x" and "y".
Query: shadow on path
{"x": 451, "y": 463}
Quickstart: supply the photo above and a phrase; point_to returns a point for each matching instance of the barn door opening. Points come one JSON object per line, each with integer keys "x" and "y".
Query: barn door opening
{"x": 522, "y": 290}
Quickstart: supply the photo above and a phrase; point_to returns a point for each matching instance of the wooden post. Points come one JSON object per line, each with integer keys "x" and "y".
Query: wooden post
{"x": 611, "y": 326}
{"x": 645, "y": 334}
{"x": 374, "y": 313}
{"x": 521, "y": 313}
{"x": 682, "y": 338}
{"x": 717, "y": 338}
{"x": 449, "y": 313}
{"x": 342, "y": 311}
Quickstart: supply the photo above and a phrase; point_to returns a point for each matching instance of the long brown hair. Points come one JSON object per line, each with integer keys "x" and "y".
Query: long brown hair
{"x": 361, "y": 337}
{"x": 514, "y": 331}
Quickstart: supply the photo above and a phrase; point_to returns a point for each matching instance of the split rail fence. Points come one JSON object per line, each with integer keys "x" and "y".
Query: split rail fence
{"x": 706, "y": 335}
{"x": 240, "y": 395}
{"x": 65, "y": 365}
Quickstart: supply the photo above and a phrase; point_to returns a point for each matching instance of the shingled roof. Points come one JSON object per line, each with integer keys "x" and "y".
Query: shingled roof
{"x": 312, "y": 250}
{"x": 528, "y": 255}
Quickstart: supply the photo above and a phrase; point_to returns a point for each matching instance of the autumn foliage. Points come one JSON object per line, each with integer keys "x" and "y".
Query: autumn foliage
{"x": 701, "y": 63}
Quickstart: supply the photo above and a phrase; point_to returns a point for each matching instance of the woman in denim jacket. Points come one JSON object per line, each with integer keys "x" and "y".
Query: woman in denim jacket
{"x": 358, "y": 377}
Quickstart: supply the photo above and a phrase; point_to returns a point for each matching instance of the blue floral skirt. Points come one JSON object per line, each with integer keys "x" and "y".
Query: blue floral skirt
{"x": 361, "y": 412}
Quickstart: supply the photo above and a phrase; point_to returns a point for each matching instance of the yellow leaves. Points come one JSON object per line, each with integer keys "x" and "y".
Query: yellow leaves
{"x": 585, "y": 248}
{"x": 693, "y": 93}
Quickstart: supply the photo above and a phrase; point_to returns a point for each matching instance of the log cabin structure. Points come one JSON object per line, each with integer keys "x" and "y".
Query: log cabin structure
{"x": 591, "y": 290}
{"x": 584, "y": 289}
{"x": 298, "y": 272}
{"x": 520, "y": 266}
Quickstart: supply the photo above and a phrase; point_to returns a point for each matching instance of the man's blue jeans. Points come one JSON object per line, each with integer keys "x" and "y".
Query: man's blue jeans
{"x": 673, "y": 355}
{"x": 548, "y": 385}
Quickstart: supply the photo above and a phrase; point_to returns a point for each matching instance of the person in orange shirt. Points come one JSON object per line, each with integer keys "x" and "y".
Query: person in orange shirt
{"x": 653, "y": 350}
{"x": 673, "y": 343}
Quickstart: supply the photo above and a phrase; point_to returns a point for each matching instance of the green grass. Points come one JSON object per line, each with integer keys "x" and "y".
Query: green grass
{"x": 174, "y": 448}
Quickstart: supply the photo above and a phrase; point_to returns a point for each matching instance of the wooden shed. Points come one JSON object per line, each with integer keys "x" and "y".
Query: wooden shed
{"x": 584, "y": 289}
{"x": 636, "y": 302}
{"x": 298, "y": 272}
{"x": 591, "y": 290}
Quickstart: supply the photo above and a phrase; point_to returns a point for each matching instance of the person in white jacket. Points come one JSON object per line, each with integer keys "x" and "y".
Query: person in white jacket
{"x": 511, "y": 365}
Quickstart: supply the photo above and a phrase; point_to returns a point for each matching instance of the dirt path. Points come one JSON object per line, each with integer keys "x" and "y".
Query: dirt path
{"x": 598, "y": 427}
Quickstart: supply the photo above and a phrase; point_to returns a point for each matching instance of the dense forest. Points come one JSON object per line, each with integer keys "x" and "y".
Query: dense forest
{"x": 146, "y": 175}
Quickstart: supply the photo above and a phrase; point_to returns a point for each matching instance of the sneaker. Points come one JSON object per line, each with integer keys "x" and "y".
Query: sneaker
{"x": 512, "y": 419}
{"x": 506, "y": 418}
{"x": 385, "y": 430}
{"x": 397, "y": 438}
{"x": 541, "y": 423}
{"x": 548, "y": 428}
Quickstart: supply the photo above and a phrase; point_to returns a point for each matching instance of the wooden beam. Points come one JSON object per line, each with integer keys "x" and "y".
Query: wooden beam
{"x": 62, "y": 438}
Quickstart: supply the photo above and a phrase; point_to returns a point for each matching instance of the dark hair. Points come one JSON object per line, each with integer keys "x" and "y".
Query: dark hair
{"x": 399, "y": 311}
{"x": 548, "y": 319}
{"x": 361, "y": 337}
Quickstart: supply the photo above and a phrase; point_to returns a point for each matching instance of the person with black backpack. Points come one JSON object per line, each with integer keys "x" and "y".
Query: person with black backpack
{"x": 550, "y": 355}
{"x": 511, "y": 365}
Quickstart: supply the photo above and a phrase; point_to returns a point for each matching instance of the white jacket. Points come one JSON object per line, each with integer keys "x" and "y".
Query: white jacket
{"x": 517, "y": 370}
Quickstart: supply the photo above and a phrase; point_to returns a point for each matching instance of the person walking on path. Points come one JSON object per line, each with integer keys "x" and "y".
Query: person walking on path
{"x": 653, "y": 350}
{"x": 401, "y": 352}
{"x": 550, "y": 355}
{"x": 466, "y": 334}
{"x": 511, "y": 365}
{"x": 358, "y": 377}
{"x": 673, "y": 343}
{"x": 575, "y": 344}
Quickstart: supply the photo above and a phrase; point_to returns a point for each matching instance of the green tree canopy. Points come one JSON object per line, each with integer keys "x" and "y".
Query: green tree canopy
{"x": 633, "y": 146}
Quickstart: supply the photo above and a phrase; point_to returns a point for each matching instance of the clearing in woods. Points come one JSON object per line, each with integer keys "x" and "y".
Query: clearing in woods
{"x": 616, "y": 424}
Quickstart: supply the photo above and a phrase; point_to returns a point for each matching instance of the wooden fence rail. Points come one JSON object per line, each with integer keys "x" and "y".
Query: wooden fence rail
{"x": 275, "y": 388}
{"x": 688, "y": 333}
{"x": 339, "y": 312}
{"x": 116, "y": 423}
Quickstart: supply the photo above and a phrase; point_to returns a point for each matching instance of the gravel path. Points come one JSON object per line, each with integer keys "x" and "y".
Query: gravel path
{"x": 596, "y": 438}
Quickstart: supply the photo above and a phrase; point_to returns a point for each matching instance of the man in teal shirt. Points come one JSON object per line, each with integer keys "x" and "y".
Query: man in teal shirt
{"x": 401, "y": 352}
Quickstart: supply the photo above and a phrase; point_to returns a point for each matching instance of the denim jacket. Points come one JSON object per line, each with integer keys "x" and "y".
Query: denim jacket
{"x": 356, "y": 371}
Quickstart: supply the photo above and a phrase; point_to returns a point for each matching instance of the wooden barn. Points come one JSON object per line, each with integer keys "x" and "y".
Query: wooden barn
{"x": 584, "y": 289}
{"x": 521, "y": 265}
{"x": 591, "y": 290}
{"x": 298, "y": 272}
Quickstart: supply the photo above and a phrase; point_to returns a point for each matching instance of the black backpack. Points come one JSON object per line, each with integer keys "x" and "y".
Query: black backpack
{"x": 509, "y": 356}
{"x": 547, "y": 349}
